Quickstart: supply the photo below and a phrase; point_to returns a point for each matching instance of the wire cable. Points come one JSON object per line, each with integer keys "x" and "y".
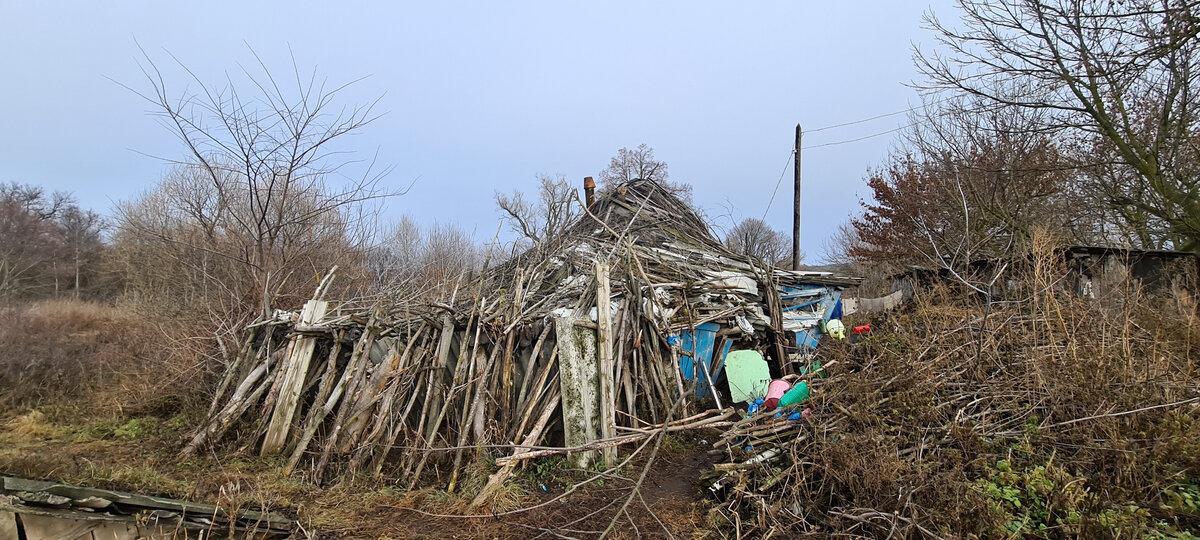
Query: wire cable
{"x": 846, "y": 141}
{"x": 778, "y": 183}
{"x": 878, "y": 116}
{"x": 835, "y": 143}
{"x": 864, "y": 120}
{"x": 863, "y": 138}
{"x": 822, "y": 145}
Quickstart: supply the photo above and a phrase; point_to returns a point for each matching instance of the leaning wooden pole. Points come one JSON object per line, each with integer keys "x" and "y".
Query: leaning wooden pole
{"x": 295, "y": 372}
{"x": 604, "y": 350}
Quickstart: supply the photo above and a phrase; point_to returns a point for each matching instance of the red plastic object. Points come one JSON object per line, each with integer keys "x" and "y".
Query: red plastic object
{"x": 862, "y": 329}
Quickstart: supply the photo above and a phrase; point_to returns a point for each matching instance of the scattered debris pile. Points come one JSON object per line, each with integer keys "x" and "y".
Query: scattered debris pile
{"x": 35, "y": 510}
{"x": 1052, "y": 417}
{"x": 577, "y": 345}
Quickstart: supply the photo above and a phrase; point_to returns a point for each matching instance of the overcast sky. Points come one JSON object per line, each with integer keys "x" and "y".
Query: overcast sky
{"x": 482, "y": 97}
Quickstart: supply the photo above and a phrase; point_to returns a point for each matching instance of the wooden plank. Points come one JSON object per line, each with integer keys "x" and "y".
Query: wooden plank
{"x": 295, "y": 371}
{"x": 8, "y": 524}
{"x": 438, "y": 391}
{"x": 127, "y": 501}
{"x": 54, "y": 528}
{"x": 604, "y": 337}
{"x": 579, "y": 386}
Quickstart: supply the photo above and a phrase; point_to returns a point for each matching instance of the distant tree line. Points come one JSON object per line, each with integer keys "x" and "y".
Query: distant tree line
{"x": 48, "y": 244}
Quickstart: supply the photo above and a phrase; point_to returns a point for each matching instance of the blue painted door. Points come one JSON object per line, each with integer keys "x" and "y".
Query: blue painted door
{"x": 697, "y": 355}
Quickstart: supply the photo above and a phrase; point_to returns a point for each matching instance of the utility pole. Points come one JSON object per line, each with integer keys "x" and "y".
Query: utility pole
{"x": 796, "y": 207}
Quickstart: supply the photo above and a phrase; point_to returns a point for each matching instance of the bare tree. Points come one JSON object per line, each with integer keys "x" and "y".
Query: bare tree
{"x": 79, "y": 233}
{"x": 1121, "y": 74}
{"x": 447, "y": 252}
{"x": 633, "y": 164}
{"x": 44, "y": 238}
{"x": 190, "y": 240}
{"x": 639, "y": 163}
{"x": 754, "y": 238}
{"x": 394, "y": 259}
{"x": 26, "y": 236}
{"x": 840, "y": 244}
{"x": 411, "y": 263}
{"x": 538, "y": 220}
{"x": 34, "y": 200}
{"x": 265, "y": 195}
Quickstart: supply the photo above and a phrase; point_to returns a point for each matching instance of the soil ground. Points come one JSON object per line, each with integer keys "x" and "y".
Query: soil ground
{"x": 138, "y": 455}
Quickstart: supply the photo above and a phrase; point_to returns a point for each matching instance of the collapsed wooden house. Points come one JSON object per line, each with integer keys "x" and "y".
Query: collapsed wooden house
{"x": 577, "y": 345}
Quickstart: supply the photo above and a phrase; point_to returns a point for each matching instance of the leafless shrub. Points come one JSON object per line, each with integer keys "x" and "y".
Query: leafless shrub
{"x": 265, "y": 200}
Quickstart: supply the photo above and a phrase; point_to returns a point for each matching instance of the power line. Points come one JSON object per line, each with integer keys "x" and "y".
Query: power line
{"x": 784, "y": 173}
{"x": 877, "y": 117}
{"x": 846, "y": 141}
{"x": 777, "y": 184}
{"x": 865, "y": 137}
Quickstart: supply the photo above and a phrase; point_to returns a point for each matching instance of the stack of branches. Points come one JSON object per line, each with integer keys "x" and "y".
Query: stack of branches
{"x": 395, "y": 390}
{"x": 659, "y": 245}
{"x": 1047, "y": 416}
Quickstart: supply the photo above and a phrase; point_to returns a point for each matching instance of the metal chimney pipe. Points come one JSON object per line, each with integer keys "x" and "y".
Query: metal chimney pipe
{"x": 589, "y": 190}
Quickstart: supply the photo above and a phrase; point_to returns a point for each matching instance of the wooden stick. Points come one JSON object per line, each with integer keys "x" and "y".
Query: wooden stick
{"x": 293, "y": 374}
{"x": 241, "y": 400}
{"x": 366, "y": 445}
{"x": 533, "y": 361}
{"x": 475, "y": 413}
{"x": 358, "y": 360}
{"x": 434, "y": 403}
{"x": 231, "y": 372}
{"x": 541, "y": 385}
{"x": 320, "y": 407}
{"x": 497, "y": 479}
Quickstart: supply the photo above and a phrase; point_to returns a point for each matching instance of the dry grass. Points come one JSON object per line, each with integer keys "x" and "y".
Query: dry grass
{"x": 1047, "y": 417}
{"x": 29, "y": 426}
{"x": 90, "y": 359}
